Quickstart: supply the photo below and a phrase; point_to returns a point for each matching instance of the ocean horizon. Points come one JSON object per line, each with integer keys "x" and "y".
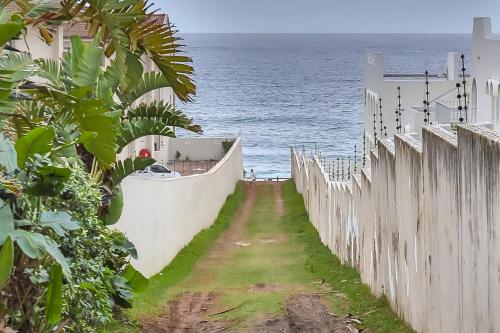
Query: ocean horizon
{"x": 280, "y": 90}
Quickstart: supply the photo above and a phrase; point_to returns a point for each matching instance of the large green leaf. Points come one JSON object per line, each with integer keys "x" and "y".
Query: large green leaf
{"x": 115, "y": 207}
{"x": 35, "y": 245}
{"x": 52, "y": 249}
{"x": 58, "y": 221}
{"x": 99, "y": 135}
{"x": 8, "y": 157}
{"x": 133, "y": 72}
{"x": 123, "y": 292}
{"x": 48, "y": 181}
{"x": 85, "y": 62}
{"x": 101, "y": 146}
{"x": 32, "y": 244}
{"x": 121, "y": 242}
{"x": 6, "y": 261}
{"x": 138, "y": 127}
{"x": 136, "y": 280}
{"x": 122, "y": 169}
{"x": 53, "y": 295}
{"x": 10, "y": 29}
{"x": 37, "y": 141}
{"x": 6, "y": 221}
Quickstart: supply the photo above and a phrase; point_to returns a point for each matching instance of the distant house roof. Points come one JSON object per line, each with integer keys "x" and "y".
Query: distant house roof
{"x": 80, "y": 29}
{"x": 11, "y": 7}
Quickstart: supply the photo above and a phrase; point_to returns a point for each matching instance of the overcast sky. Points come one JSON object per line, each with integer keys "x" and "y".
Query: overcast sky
{"x": 306, "y": 16}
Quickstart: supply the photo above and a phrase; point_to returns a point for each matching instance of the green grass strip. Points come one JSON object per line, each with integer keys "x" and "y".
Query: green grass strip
{"x": 154, "y": 298}
{"x": 376, "y": 313}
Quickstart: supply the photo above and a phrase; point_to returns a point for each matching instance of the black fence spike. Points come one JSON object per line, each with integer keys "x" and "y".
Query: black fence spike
{"x": 355, "y": 159}
{"x": 342, "y": 163}
{"x": 364, "y": 149}
{"x": 426, "y": 100}
{"x": 338, "y": 169}
{"x": 333, "y": 169}
{"x": 398, "y": 113}
{"x": 381, "y": 120}
{"x": 349, "y": 168}
{"x": 464, "y": 86}
{"x": 460, "y": 108}
{"x": 375, "y": 127}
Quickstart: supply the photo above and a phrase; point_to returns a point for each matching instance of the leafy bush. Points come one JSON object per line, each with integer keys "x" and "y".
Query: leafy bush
{"x": 61, "y": 267}
{"x": 96, "y": 254}
{"x": 227, "y": 144}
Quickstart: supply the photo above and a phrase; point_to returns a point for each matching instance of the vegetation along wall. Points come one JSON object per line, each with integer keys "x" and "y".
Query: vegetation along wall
{"x": 421, "y": 224}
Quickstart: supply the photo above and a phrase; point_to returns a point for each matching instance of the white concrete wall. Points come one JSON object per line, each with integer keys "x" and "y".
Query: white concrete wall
{"x": 33, "y": 44}
{"x": 162, "y": 216}
{"x": 421, "y": 225}
{"x": 196, "y": 149}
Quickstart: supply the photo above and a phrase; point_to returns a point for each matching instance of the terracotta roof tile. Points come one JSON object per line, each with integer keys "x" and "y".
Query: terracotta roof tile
{"x": 11, "y": 7}
{"x": 76, "y": 29}
{"x": 80, "y": 29}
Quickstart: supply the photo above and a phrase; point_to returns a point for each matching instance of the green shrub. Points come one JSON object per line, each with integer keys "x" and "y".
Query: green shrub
{"x": 96, "y": 255}
{"x": 227, "y": 144}
{"x": 61, "y": 268}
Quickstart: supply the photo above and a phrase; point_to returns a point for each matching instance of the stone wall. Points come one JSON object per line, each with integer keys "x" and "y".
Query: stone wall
{"x": 419, "y": 224}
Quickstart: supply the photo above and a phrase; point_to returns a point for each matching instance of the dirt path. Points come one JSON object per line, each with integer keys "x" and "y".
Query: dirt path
{"x": 252, "y": 280}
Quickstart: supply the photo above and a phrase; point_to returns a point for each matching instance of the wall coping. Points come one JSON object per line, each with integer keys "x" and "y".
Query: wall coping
{"x": 213, "y": 170}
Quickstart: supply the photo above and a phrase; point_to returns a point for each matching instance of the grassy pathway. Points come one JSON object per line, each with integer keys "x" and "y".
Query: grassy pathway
{"x": 260, "y": 268}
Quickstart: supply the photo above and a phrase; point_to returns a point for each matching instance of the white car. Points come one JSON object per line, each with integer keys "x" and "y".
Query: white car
{"x": 158, "y": 170}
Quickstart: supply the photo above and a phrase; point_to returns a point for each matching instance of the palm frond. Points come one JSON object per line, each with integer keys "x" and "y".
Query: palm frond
{"x": 165, "y": 113}
{"x": 49, "y": 69}
{"x": 14, "y": 68}
{"x": 149, "y": 82}
{"x": 128, "y": 26}
{"x": 132, "y": 129}
{"x": 122, "y": 169}
{"x": 160, "y": 42}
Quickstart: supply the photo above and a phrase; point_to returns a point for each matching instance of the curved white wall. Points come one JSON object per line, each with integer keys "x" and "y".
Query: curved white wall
{"x": 162, "y": 216}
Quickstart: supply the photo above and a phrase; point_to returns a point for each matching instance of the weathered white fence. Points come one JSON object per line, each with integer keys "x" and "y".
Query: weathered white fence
{"x": 421, "y": 224}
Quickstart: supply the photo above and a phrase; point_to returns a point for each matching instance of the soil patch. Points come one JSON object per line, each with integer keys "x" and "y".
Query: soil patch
{"x": 186, "y": 313}
{"x": 264, "y": 287}
{"x": 190, "y": 312}
{"x": 307, "y": 313}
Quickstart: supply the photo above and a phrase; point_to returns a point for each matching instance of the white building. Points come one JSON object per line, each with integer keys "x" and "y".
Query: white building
{"x": 486, "y": 72}
{"x": 482, "y": 90}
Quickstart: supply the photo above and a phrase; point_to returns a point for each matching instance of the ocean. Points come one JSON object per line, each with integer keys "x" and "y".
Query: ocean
{"x": 297, "y": 89}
